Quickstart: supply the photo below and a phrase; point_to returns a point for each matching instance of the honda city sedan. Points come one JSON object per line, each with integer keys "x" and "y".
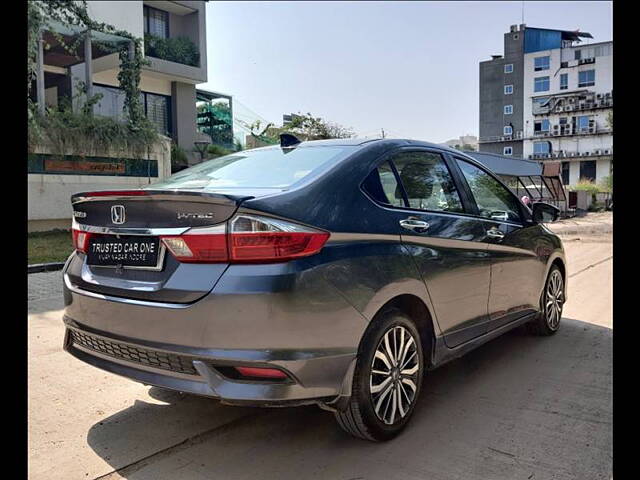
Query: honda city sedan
{"x": 333, "y": 272}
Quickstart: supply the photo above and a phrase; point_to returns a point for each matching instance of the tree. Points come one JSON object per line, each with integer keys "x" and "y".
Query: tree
{"x": 315, "y": 128}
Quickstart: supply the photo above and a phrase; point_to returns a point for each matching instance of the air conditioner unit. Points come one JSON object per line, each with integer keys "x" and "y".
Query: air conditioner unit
{"x": 581, "y": 105}
{"x": 586, "y": 154}
{"x": 561, "y": 153}
{"x": 606, "y": 151}
{"x": 568, "y": 108}
{"x": 598, "y": 96}
{"x": 572, "y": 100}
{"x": 556, "y": 130}
{"x": 596, "y": 104}
{"x": 596, "y": 152}
{"x": 560, "y": 108}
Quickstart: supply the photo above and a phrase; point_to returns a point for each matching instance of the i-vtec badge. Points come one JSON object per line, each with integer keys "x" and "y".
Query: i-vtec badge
{"x": 195, "y": 216}
{"x": 79, "y": 214}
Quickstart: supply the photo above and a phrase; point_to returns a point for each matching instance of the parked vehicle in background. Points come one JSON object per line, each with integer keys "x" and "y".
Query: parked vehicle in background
{"x": 329, "y": 272}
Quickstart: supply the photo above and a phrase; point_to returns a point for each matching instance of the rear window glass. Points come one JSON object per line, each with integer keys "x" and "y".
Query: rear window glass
{"x": 261, "y": 168}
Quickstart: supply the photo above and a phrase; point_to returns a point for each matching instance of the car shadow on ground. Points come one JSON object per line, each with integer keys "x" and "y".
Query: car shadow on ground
{"x": 518, "y": 407}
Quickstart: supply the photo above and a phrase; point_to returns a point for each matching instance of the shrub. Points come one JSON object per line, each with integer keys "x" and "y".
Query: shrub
{"x": 215, "y": 151}
{"x": 177, "y": 49}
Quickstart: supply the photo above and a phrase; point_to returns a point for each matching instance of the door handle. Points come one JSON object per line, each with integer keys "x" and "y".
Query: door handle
{"x": 414, "y": 225}
{"x": 495, "y": 233}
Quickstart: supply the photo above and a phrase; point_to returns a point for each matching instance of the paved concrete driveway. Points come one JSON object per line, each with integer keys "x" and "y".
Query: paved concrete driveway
{"x": 519, "y": 407}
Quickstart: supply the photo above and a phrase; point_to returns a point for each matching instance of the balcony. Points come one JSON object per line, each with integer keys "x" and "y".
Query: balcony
{"x": 567, "y": 155}
{"x": 570, "y": 131}
{"x": 518, "y": 135}
{"x": 574, "y": 102}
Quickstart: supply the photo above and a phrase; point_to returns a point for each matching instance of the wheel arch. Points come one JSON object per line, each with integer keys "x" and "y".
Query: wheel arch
{"x": 418, "y": 311}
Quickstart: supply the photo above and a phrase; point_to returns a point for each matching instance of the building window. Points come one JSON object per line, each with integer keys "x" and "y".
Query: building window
{"x": 541, "y": 63}
{"x": 508, "y": 109}
{"x": 587, "y": 78}
{"x": 156, "y": 22}
{"x": 541, "y": 126}
{"x": 157, "y": 108}
{"x": 541, "y": 148}
{"x": 508, "y": 68}
{"x": 565, "y": 172}
{"x": 588, "y": 170}
{"x": 582, "y": 123}
{"x": 540, "y": 105}
{"x": 564, "y": 81}
{"x": 508, "y": 89}
{"x": 507, "y": 151}
{"x": 507, "y": 130}
{"x": 541, "y": 84}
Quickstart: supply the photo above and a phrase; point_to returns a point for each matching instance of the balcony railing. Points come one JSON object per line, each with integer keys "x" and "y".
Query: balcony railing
{"x": 566, "y": 155}
{"x": 502, "y": 138}
{"x": 569, "y": 131}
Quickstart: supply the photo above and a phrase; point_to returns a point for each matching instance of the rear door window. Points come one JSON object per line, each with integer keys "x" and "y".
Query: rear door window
{"x": 427, "y": 182}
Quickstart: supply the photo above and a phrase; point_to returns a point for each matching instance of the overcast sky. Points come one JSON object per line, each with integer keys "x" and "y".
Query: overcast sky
{"x": 408, "y": 67}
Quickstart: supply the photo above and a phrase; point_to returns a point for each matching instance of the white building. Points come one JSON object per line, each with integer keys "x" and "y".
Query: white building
{"x": 568, "y": 99}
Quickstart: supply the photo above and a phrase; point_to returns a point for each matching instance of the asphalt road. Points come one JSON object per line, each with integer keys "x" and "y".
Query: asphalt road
{"x": 519, "y": 407}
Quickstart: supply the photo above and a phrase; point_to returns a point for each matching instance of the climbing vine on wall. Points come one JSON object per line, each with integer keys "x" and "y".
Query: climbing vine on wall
{"x": 73, "y": 13}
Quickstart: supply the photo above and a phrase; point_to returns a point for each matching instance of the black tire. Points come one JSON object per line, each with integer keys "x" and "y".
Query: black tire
{"x": 360, "y": 418}
{"x": 545, "y": 323}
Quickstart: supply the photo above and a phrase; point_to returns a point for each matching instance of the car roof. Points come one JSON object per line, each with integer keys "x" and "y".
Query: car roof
{"x": 377, "y": 141}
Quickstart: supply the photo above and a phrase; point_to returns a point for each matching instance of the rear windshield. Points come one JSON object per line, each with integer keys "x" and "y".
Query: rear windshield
{"x": 261, "y": 168}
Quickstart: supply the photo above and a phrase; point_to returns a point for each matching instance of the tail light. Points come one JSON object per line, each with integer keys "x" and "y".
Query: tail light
{"x": 80, "y": 240}
{"x": 260, "y": 239}
{"x": 250, "y": 239}
{"x": 203, "y": 245}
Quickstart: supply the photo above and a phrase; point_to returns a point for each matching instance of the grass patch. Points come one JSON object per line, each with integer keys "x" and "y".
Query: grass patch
{"x": 45, "y": 247}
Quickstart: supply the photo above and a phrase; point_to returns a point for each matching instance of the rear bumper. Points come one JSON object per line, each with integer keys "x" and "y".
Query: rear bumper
{"x": 315, "y": 377}
{"x": 267, "y": 316}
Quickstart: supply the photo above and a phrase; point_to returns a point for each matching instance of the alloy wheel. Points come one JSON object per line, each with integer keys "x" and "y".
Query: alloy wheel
{"x": 394, "y": 375}
{"x": 554, "y": 300}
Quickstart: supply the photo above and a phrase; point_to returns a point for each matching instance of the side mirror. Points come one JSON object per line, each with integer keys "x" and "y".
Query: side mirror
{"x": 544, "y": 212}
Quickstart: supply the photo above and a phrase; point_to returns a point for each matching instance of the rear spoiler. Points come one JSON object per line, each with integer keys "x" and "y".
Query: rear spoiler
{"x": 115, "y": 194}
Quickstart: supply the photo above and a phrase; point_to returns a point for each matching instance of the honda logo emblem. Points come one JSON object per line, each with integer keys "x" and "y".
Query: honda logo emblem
{"x": 117, "y": 214}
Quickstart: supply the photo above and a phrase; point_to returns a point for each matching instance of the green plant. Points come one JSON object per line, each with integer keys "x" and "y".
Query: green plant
{"x": 585, "y": 185}
{"x": 215, "y": 151}
{"x": 178, "y": 155}
{"x": 67, "y": 131}
{"x": 175, "y": 49}
{"x": 606, "y": 184}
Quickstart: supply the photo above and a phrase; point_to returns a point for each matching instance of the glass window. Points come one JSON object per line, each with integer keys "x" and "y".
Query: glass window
{"x": 582, "y": 123}
{"x": 157, "y": 110}
{"x": 541, "y": 126}
{"x": 507, "y": 151}
{"x": 541, "y": 84}
{"x": 269, "y": 167}
{"x": 541, "y": 63}
{"x": 508, "y": 109}
{"x": 565, "y": 172}
{"x": 508, "y": 89}
{"x": 382, "y": 186}
{"x": 427, "y": 181}
{"x": 541, "y": 148}
{"x": 493, "y": 199}
{"x": 112, "y": 102}
{"x": 586, "y": 78}
{"x": 564, "y": 81}
{"x": 507, "y": 130}
{"x": 508, "y": 68}
{"x": 156, "y": 22}
{"x": 588, "y": 170}
{"x": 577, "y": 54}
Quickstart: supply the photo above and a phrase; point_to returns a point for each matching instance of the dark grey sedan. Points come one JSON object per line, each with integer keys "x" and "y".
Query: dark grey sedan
{"x": 332, "y": 272}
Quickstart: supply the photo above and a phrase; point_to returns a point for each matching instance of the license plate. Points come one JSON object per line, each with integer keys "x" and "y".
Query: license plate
{"x": 124, "y": 251}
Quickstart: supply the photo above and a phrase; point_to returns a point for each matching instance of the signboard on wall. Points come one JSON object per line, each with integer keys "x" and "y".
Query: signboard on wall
{"x": 75, "y": 165}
